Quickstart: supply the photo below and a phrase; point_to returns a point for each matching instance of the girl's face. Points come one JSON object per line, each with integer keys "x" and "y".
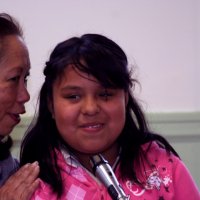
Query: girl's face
{"x": 14, "y": 68}
{"x": 89, "y": 117}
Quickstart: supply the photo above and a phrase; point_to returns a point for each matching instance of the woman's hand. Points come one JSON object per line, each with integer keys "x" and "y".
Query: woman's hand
{"x": 22, "y": 184}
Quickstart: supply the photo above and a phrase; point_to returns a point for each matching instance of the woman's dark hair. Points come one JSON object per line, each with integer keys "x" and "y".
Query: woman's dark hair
{"x": 102, "y": 58}
{"x": 8, "y": 26}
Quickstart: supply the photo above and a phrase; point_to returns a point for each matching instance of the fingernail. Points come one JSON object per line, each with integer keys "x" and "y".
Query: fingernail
{"x": 35, "y": 163}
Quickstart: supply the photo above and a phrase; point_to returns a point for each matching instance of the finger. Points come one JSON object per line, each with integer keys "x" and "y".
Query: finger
{"x": 11, "y": 184}
{"x": 28, "y": 183}
{"x": 25, "y": 175}
{"x": 28, "y": 175}
{"x": 29, "y": 190}
{"x": 27, "y": 170}
{"x": 22, "y": 184}
{"x": 25, "y": 194}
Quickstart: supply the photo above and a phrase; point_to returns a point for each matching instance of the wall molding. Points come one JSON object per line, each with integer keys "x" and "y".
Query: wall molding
{"x": 176, "y": 126}
{"x": 182, "y": 130}
{"x": 181, "y": 126}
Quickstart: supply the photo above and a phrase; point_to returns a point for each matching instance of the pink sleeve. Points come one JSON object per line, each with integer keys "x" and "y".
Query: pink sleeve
{"x": 184, "y": 185}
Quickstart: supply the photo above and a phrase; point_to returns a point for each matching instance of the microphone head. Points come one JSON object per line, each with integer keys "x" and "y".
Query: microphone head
{"x": 97, "y": 160}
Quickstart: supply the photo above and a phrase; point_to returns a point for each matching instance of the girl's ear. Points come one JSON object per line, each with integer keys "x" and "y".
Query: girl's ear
{"x": 50, "y": 106}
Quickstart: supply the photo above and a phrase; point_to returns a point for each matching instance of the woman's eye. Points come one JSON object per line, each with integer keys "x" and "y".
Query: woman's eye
{"x": 15, "y": 78}
{"x": 26, "y": 78}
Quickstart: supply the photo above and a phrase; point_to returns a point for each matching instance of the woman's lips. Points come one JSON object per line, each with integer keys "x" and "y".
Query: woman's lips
{"x": 15, "y": 117}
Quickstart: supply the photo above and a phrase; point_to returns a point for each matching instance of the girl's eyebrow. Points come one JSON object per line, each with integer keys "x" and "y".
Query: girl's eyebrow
{"x": 71, "y": 87}
{"x": 78, "y": 88}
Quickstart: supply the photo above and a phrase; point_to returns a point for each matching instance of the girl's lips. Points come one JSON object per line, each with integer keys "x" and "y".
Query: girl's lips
{"x": 92, "y": 126}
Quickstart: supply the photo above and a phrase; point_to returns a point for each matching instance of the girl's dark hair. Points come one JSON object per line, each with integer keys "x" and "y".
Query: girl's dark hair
{"x": 107, "y": 62}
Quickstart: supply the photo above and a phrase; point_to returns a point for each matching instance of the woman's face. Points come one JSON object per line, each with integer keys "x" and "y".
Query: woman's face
{"x": 89, "y": 117}
{"x": 14, "y": 68}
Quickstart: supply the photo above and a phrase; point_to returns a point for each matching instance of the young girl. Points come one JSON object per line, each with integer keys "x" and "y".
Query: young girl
{"x": 87, "y": 107}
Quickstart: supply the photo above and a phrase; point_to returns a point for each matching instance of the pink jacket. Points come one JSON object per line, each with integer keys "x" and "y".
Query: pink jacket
{"x": 170, "y": 180}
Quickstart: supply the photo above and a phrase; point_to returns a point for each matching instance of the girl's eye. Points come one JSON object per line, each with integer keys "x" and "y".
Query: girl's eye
{"x": 106, "y": 94}
{"x": 73, "y": 97}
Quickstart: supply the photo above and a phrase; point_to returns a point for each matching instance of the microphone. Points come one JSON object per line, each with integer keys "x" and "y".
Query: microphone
{"x": 104, "y": 172}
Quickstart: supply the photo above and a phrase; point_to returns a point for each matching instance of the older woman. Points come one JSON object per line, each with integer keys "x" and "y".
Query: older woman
{"x": 14, "y": 69}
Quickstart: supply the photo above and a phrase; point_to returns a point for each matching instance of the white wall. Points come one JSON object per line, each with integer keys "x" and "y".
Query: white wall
{"x": 162, "y": 37}
{"x": 198, "y": 54}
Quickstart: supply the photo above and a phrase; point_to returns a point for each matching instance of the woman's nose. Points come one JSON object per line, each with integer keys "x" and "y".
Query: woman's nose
{"x": 23, "y": 94}
{"x": 90, "y": 106}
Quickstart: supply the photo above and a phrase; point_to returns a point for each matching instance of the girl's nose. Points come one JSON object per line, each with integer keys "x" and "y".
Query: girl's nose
{"x": 90, "y": 106}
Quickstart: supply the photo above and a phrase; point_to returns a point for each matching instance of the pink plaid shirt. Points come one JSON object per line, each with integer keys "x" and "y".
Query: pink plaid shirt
{"x": 169, "y": 180}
